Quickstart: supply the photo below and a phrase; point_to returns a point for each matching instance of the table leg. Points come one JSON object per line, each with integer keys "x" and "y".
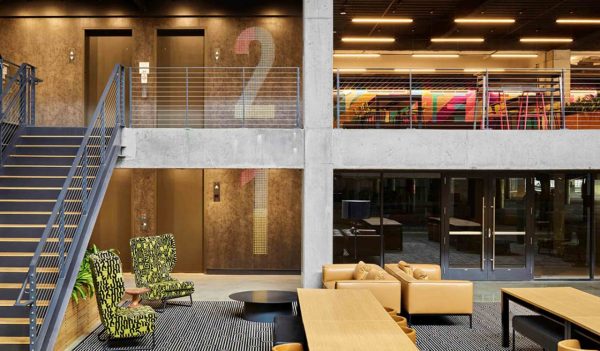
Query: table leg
{"x": 135, "y": 301}
{"x": 505, "y": 323}
{"x": 568, "y": 330}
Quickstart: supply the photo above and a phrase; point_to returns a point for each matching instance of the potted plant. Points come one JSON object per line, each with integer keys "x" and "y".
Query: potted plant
{"x": 84, "y": 284}
{"x": 583, "y": 113}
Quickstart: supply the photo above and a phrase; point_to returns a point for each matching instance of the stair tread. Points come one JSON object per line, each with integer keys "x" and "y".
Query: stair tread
{"x": 11, "y": 340}
{"x": 11, "y": 303}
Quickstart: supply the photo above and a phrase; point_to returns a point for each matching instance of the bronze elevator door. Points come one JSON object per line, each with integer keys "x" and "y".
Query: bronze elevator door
{"x": 103, "y": 50}
{"x": 180, "y": 97}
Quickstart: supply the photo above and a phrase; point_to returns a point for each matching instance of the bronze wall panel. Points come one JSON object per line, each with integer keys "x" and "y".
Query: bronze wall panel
{"x": 143, "y": 201}
{"x": 113, "y": 226}
{"x": 45, "y": 43}
{"x": 179, "y": 211}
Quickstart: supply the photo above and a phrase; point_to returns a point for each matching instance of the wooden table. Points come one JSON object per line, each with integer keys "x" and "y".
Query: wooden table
{"x": 349, "y": 320}
{"x": 135, "y": 295}
{"x": 574, "y": 308}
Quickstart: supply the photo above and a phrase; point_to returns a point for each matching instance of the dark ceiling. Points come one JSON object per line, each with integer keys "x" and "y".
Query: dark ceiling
{"x": 151, "y": 8}
{"x": 435, "y": 18}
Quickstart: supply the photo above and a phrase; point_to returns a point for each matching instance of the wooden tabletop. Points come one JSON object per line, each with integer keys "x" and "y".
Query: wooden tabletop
{"x": 136, "y": 291}
{"x": 575, "y": 306}
{"x": 349, "y": 320}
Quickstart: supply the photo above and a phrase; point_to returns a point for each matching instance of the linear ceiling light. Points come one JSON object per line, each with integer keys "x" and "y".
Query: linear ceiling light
{"x": 457, "y": 40}
{"x": 368, "y": 40}
{"x": 416, "y": 70}
{"x": 498, "y": 55}
{"x": 545, "y": 40}
{"x": 357, "y": 55}
{"x": 435, "y": 55}
{"x": 349, "y": 69}
{"x": 484, "y": 20}
{"x": 578, "y": 20}
{"x": 483, "y": 69}
{"x": 389, "y": 20}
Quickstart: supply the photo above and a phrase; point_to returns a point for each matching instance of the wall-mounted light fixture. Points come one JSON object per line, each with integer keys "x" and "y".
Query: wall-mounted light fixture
{"x": 217, "y": 54}
{"x": 71, "y": 55}
{"x": 217, "y": 192}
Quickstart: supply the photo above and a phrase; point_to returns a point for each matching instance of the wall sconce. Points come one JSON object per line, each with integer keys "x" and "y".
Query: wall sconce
{"x": 144, "y": 70}
{"x": 217, "y": 54}
{"x": 216, "y": 192}
{"x": 143, "y": 222}
{"x": 71, "y": 55}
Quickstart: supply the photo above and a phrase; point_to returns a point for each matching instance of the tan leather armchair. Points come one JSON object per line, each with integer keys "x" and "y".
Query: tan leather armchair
{"x": 570, "y": 345}
{"x": 339, "y": 276}
{"x": 434, "y": 295}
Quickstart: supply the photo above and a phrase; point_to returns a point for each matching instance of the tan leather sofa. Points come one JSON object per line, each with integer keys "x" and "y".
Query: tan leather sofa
{"x": 386, "y": 291}
{"x": 434, "y": 295}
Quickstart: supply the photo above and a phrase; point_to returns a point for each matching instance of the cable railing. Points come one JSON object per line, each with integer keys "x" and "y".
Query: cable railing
{"x": 214, "y": 97}
{"x": 55, "y": 260}
{"x": 505, "y": 99}
{"x": 17, "y": 101}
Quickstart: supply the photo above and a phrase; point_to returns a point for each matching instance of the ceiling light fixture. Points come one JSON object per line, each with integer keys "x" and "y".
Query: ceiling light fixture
{"x": 578, "y": 20}
{"x": 389, "y": 20}
{"x": 368, "y": 40}
{"x": 545, "y": 40}
{"x": 457, "y": 40}
{"x": 483, "y": 69}
{"x": 484, "y": 20}
{"x": 349, "y": 69}
{"x": 435, "y": 55}
{"x": 414, "y": 70}
{"x": 498, "y": 55}
{"x": 357, "y": 55}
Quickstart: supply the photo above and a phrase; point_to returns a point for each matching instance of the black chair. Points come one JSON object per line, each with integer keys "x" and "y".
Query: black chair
{"x": 539, "y": 329}
{"x": 288, "y": 329}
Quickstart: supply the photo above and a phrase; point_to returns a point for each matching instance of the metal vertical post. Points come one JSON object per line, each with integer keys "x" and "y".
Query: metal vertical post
{"x": 562, "y": 99}
{"x": 122, "y": 100}
{"x": 410, "y": 99}
{"x": 32, "y": 83}
{"x": 32, "y": 308}
{"x": 243, "y": 97}
{"x": 187, "y": 97}
{"x": 84, "y": 180}
{"x": 23, "y": 94}
{"x": 117, "y": 83}
{"x": 1, "y": 84}
{"x": 484, "y": 102}
{"x": 337, "y": 107}
{"x": 61, "y": 239}
{"x": 297, "y": 97}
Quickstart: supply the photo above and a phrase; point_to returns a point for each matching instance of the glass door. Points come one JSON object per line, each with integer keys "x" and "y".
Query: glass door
{"x": 487, "y": 223}
{"x": 510, "y": 228}
{"x": 463, "y": 223}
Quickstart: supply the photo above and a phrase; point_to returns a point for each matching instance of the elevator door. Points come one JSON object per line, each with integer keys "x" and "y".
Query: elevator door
{"x": 180, "y": 78}
{"x": 103, "y": 50}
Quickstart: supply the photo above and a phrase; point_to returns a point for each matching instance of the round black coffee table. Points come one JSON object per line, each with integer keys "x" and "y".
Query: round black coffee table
{"x": 264, "y": 305}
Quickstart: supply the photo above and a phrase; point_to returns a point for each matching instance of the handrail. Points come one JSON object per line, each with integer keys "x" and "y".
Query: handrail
{"x": 452, "y": 98}
{"x": 17, "y": 101}
{"x": 69, "y": 216}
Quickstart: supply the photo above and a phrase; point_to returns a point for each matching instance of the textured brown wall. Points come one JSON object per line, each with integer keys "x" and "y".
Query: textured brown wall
{"x": 113, "y": 226}
{"x": 45, "y": 43}
{"x": 228, "y": 233}
{"x": 143, "y": 201}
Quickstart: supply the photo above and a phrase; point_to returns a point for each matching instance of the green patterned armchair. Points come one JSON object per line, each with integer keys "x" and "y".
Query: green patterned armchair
{"x": 153, "y": 260}
{"x": 119, "y": 322}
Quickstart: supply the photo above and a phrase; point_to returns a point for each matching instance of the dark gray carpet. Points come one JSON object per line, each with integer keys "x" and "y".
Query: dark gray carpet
{"x": 217, "y": 326}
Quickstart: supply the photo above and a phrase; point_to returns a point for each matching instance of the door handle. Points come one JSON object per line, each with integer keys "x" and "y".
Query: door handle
{"x": 483, "y": 233}
{"x": 493, "y": 233}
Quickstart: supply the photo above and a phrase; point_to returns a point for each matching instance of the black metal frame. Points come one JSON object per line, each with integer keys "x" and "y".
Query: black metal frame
{"x": 165, "y": 302}
{"x": 409, "y": 316}
{"x": 108, "y": 339}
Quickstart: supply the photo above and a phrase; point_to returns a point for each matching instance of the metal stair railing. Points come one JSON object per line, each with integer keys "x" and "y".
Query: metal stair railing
{"x": 70, "y": 225}
{"x": 17, "y": 101}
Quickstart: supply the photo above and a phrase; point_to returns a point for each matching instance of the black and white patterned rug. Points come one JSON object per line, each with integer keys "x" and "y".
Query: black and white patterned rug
{"x": 218, "y": 326}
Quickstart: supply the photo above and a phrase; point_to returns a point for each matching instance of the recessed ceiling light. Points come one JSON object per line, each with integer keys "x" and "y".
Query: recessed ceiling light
{"x": 357, "y": 55}
{"x": 457, "y": 40}
{"x": 389, "y": 20}
{"x": 368, "y": 40}
{"x": 415, "y": 70}
{"x": 484, "y": 20}
{"x": 545, "y": 40}
{"x": 435, "y": 55}
{"x": 507, "y": 55}
{"x": 578, "y": 20}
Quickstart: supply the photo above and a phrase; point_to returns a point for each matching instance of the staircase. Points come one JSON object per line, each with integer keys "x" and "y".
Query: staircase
{"x": 33, "y": 175}
{"x": 52, "y": 183}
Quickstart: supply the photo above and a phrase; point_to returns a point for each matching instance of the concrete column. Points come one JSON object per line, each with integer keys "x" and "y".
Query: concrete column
{"x": 317, "y": 187}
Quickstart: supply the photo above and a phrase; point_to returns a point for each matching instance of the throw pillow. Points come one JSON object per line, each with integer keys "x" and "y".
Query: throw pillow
{"x": 420, "y": 274}
{"x": 375, "y": 274}
{"x": 360, "y": 271}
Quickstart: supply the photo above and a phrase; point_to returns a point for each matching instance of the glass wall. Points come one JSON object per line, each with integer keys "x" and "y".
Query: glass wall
{"x": 356, "y": 239}
{"x": 561, "y": 244}
{"x": 411, "y": 217}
